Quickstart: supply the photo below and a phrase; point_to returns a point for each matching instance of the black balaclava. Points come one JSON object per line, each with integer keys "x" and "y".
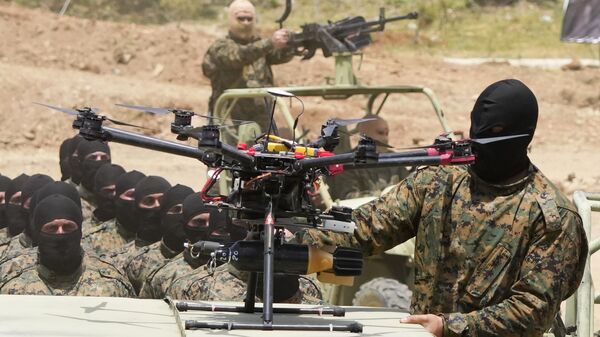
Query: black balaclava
{"x": 106, "y": 175}
{"x": 89, "y": 166}
{"x": 171, "y": 224}
{"x": 28, "y": 191}
{"x": 192, "y": 206}
{"x": 55, "y": 187}
{"x": 16, "y": 219}
{"x": 60, "y": 253}
{"x": 126, "y": 208}
{"x": 63, "y": 159}
{"x": 73, "y": 161}
{"x": 149, "y": 228}
{"x": 510, "y": 107}
{"x": 222, "y": 229}
{"x": 4, "y": 182}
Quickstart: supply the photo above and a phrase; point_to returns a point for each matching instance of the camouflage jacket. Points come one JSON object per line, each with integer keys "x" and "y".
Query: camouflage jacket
{"x": 122, "y": 257}
{"x": 494, "y": 260}
{"x": 145, "y": 261}
{"x": 15, "y": 246}
{"x": 225, "y": 283}
{"x": 232, "y": 63}
{"x": 17, "y": 264}
{"x": 94, "y": 278}
{"x": 159, "y": 281}
{"x": 368, "y": 182}
{"x": 106, "y": 238}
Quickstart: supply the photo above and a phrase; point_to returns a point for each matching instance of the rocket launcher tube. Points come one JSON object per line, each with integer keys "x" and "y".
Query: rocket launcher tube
{"x": 291, "y": 258}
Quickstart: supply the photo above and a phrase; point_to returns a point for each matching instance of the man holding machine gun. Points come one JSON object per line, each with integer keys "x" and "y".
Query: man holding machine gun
{"x": 498, "y": 246}
{"x": 243, "y": 60}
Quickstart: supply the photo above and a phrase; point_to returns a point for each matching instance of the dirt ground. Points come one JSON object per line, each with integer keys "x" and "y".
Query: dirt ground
{"x": 71, "y": 62}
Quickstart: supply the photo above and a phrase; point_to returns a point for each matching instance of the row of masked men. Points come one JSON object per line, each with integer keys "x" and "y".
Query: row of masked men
{"x": 102, "y": 231}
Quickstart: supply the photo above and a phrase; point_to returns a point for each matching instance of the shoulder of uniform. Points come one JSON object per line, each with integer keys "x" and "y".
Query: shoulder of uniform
{"x": 103, "y": 267}
{"x": 552, "y": 202}
{"x": 95, "y": 229}
{"x": 16, "y": 274}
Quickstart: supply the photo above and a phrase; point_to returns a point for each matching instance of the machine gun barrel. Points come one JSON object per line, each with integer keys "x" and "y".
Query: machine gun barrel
{"x": 379, "y": 22}
{"x": 151, "y": 143}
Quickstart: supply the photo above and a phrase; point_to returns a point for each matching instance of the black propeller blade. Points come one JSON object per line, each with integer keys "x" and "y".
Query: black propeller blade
{"x": 162, "y": 111}
{"x": 77, "y": 112}
{"x": 474, "y": 140}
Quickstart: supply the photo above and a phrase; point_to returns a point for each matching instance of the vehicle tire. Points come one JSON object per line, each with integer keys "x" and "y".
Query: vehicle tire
{"x": 383, "y": 292}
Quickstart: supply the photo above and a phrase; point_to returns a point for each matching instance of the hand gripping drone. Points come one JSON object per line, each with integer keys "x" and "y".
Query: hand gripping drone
{"x": 272, "y": 181}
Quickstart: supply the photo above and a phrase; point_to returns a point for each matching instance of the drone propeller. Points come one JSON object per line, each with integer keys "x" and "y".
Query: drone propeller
{"x": 162, "y": 111}
{"x": 362, "y": 136}
{"x": 77, "y": 112}
{"x": 72, "y": 112}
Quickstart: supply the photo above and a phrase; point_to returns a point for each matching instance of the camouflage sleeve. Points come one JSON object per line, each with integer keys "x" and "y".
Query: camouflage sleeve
{"x": 380, "y": 224}
{"x": 279, "y": 56}
{"x": 225, "y": 54}
{"x": 552, "y": 270}
{"x": 392, "y": 219}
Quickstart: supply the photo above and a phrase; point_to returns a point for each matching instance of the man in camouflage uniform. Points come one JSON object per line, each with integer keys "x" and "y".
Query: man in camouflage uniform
{"x": 498, "y": 247}
{"x": 198, "y": 222}
{"x": 111, "y": 235}
{"x": 147, "y": 198}
{"x": 23, "y": 241}
{"x": 148, "y": 259}
{"x": 243, "y": 60}
{"x": 367, "y": 182}
{"x": 62, "y": 267}
{"x": 70, "y": 170}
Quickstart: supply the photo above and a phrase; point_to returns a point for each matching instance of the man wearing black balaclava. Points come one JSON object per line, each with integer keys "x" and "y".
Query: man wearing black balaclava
{"x": 62, "y": 267}
{"x": 110, "y": 236}
{"x": 14, "y": 256}
{"x": 91, "y": 155}
{"x": 64, "y": 155}
{"x": 146, "y": 261}
{"x": 104, "y": 191}
{"x": 147, "y": 198}
{"x": 196, "y": 225}
{"x": 4, "y": 182}
{"x": 13, "y": 212}
{"x": 498, "y": 246}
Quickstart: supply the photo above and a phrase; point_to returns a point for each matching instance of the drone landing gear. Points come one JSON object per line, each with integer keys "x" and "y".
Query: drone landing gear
{"x": 267, "y": 308}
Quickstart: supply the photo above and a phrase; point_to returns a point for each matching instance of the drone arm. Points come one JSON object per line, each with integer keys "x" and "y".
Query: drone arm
{"x": 237, "y": 155}
{"x": 151, "y": 143}
{"x": 444, "y": 159}
{"x": 324, "y": 161}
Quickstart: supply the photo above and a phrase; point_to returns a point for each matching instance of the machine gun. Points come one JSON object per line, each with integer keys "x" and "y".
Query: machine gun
{"x": 271, "y": 187}
{"x": 346, "y": 35}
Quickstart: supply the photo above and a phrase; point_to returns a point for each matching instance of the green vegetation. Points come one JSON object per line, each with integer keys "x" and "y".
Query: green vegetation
{"x": 475, "y": 28}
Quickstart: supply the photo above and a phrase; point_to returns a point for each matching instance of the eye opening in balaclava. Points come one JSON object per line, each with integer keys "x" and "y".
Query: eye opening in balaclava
{"x": 92, "y": 155}
{"x": 195, "y": 211}
{"x": 56, "y": 187}
{"x": 171, "y": 224}
{"x": 125, "y": 207}
{"x": 59, "y": 251}
{"x": 4, "y": 183}
{"x": 504, "y": 108}
{"x": 105, "y": 190}
{"x": 148, "y": 195}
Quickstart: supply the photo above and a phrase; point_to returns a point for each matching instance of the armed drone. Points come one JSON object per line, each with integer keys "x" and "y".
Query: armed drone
{"x": 271, "y": 188}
